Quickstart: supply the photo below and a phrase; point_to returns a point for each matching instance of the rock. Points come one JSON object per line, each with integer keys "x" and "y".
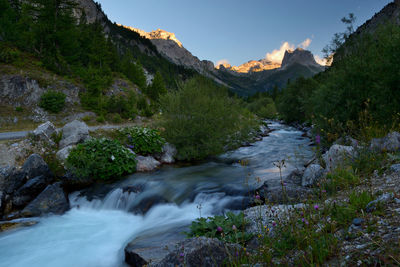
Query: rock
{"x": 73, "y": 133}
{"x": 45, "y": 131}
{"x": 11, "y": 179}
{"x": 199, "y": 251}
{"x": 2, "y": 195}
{"x": 147, "y": 203}
{"x": 30, "y": 190}
{"x": 347, "y": 141}
{"x": 389, "y": 143}
{"x": 51, "y": 200}
{"x": 264, "y": 130}
{"x": 296, "y": 176}
{"x": 358, "y": 221}
{"x": 395, "y": 167}
{"x": 371, "y": 206}
{"x": 168, "y": 153}
{"x": 35, "y": 166}
{"x": 11, "y": 225}
{"x": 338, "y": 156}
{"x": 264, "y": 216}
{"x": 71, "y": 183}
{"x": 63, "y": 153}
{"x": 146, "y": 164}
{"x": 312, "y": 174}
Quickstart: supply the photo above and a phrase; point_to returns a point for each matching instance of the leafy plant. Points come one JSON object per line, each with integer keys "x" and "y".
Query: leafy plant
{"x": 230, "y": 228}
{"x": 101, "y": 159}
{"x": 142, "y": 140}
{"x": 52, "y": 101}
{"x": 340, "y": 179}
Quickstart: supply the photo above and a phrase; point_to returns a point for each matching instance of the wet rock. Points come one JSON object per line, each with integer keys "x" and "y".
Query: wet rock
{"x": 51, "y": 200}
{"x": 71, "y": 182}
{"x": 73, "y": 133}
{"x": 264, "y": 130}
{"x": 45, "y": 131}
{"x": 11, "y": 225}
{"x": 63, "y": 153}
{"x": 371, "y": 206}
{"x": 395, "y": 168}
{"x": 30, "y": 190}
{"x": 295, "y": 176}
{"x": 146, "y": 164}
{"x": 168, "y": 153}
{"x": 338, "y": 156}
{"x": 147, "y": 203}
{"x": 312, "y": 174}
{"x": 389, "y": 143}
{"x": 199, "y": 251}
{"x": 35, "y": 166}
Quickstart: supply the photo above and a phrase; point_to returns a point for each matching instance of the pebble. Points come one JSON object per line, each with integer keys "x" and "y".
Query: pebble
{"x": 358, "y": 221}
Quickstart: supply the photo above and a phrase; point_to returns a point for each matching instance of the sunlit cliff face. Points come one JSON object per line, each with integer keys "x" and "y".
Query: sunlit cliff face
{"x": 157, "y": 34}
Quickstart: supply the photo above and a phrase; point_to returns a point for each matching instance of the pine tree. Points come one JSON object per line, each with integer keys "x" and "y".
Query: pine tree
{"x": 157, "y": 88}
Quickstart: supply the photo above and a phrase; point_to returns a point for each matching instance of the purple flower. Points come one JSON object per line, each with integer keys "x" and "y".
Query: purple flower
{"x": 323, "y": 191}
{"x": 234, "y": 227}
{"x": 219, "y": 229}
{"x": 273, "y": 223}
{"x": 130, "y": 146}
{"x": 316, "y": 207}
{"x": 182, "y": 254}
{"x": 317, "y": 139}
{"x": 257, "y": 196}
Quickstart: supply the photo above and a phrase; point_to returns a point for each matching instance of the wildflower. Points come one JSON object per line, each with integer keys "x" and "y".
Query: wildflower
{"x": 317, "y": 139}
{"x": 112, "y": 157}
{"x": 257, "y": 196}
{"x": 219, "y": 229}
{"x": 273, "y": 223}
{"x": 316, "y": 207}
{"x": 234, "y": 227}
{"x": 323, "y": 191}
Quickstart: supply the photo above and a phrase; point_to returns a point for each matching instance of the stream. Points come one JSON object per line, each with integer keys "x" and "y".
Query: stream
{"x": 149, "y": 207}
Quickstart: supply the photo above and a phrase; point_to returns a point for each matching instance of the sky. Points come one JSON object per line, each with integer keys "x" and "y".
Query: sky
{"x": 236, "y": 31}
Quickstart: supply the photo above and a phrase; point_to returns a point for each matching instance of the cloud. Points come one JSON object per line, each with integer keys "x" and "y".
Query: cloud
{"x": 276, "y": 56}
{"x": 306, "y": 43}
{"x": 222, "y": 61}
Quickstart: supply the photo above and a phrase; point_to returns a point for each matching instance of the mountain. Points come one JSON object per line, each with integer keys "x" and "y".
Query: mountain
{"x": 295, "y": 64}
{"x": 252, "y": 66}
{"x": 171, "y": 48}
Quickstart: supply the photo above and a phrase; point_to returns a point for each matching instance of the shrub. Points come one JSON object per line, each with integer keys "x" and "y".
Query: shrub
{"x": 19, "y": 109}
{"x": 9, "y": 54}
{"x": 340, "y": 179}
{"x": 230, "y": 228}
{"x": 52, "y": 101}
{"x": 201, "y": 119}
{"x": 143, "y": 140}
{"x": 101, "y": 159}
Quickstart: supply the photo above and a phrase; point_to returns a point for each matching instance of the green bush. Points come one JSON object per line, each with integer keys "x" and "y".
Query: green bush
{"x": 340, "y": 179}
{"x": 142, "y": 140}
{"x": 8, "y": 54}
{"x": 263, "y": 107}
{"x": 230, "y": 228}
{"x": 101, "y": 159}
{"x": 52, "y": 101}
{"x": 201, "y": 119}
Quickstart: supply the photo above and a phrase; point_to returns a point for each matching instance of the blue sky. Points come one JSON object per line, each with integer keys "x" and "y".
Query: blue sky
{"x": 242, "y": 30}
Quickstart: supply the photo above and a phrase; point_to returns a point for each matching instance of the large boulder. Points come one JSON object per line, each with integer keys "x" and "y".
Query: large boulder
{"x": 35, "y": 166}
{"x": 389, "y": 143}
{"x": 63, "y": 153}
{"x": 11, "y": 179}
{"x": 51, "y": 200}
{"x": 338, "y": 156}
{"x": 312, "y": 174}
{"x": 168, "y": 153}
{"x": 45, "y": 131}
{"x": 73, "y": 133}
{"x": 199, "y": 251}
{"x": 146, "y": 164}
{"x": 30, "y": 190}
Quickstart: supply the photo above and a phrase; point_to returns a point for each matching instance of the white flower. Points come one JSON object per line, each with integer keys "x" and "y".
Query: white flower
{"x": 112, "y": 157}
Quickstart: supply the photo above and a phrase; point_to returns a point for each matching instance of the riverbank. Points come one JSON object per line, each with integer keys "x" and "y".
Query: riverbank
{"x": 132, "y": 207}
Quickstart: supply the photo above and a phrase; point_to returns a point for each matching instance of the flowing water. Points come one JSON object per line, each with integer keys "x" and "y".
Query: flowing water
{"x": 151, "y": 207}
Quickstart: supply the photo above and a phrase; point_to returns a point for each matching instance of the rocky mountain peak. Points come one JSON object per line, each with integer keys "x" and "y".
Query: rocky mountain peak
{"x": 300, "y": 56}
{"x": 156, "y": 35}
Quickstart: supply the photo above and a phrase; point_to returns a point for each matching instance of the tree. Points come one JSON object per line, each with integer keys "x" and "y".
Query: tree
{"x": 133, "y": 70}
{"x": 157, "y": 88}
